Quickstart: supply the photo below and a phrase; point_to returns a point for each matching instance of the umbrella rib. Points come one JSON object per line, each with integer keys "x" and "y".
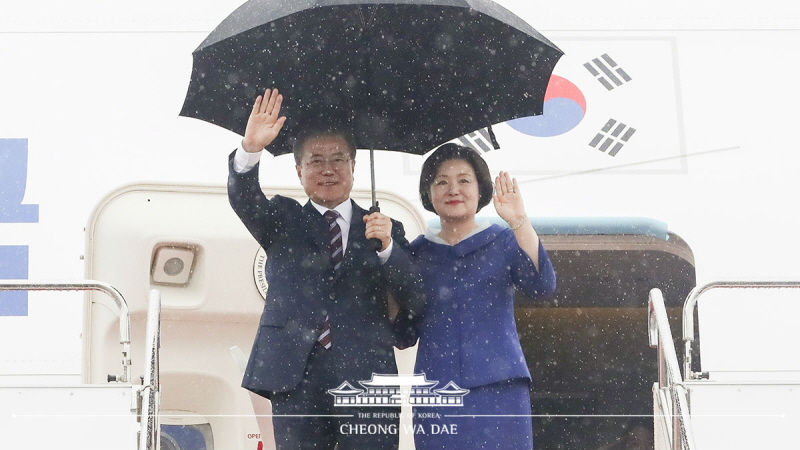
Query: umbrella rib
{"x": 365, "y": 23}
{"x": 361, "y": 16}
{"x": 372, "y": 17}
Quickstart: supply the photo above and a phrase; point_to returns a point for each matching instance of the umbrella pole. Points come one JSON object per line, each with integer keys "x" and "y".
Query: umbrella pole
{"x": 372, "y": 177}
{"x": 374, "y": 208}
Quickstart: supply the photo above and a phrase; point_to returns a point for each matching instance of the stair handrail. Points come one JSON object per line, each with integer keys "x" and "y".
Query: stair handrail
{"x": 691, "y": 303}
{"x": 149, "y": 433}
{"x": 669, "y": 376}
{"x": 87, "y": 285}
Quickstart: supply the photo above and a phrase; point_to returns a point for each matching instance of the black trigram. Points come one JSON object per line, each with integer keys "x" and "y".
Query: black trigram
{"x": 478, "y": 140}
{"x": 607, "y": 72}
{"x": 613, "y": 135}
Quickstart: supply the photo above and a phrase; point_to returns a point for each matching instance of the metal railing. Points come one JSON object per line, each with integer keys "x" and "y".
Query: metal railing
{"x": 149, "y": 396}
{"x": 151, "y": 391}
{"x": 88, "y": 285}
{"x": 670, "y": 383}
{"x": 691, "y": 303}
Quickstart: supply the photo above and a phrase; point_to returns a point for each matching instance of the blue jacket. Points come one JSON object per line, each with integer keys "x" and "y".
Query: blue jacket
{"x": 468, "y": 334}
{"x": 303, "y": 288}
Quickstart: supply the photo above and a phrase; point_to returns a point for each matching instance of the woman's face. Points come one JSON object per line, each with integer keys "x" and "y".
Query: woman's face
{"x": 454, "y": 191}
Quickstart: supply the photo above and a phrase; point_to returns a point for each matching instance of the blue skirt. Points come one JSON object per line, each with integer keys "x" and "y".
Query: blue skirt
{"x": 495, "y": 416}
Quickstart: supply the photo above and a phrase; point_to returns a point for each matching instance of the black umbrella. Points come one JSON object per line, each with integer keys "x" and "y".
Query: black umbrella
{"x": 408, "y": 75}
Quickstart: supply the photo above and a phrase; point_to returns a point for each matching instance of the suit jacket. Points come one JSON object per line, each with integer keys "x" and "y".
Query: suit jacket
{"x": 303, "y": 288}
{"x": 469, "y": 335}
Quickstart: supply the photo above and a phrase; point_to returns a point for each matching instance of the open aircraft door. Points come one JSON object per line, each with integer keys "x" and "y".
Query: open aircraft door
{"x": 187, "y": 242}
{"x": 587, "y": 345}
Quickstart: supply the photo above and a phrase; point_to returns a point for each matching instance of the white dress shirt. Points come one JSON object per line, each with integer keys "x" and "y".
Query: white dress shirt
{"x": 244, "y": 161}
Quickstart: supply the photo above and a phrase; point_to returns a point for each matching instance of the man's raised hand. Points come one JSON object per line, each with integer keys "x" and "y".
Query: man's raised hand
{"x": 264, "y": 122}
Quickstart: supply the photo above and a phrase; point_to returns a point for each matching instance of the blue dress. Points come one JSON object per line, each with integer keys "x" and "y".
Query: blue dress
{"x": 468, "y": 337}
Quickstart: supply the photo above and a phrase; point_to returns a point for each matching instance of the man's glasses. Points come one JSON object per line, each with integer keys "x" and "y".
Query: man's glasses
{"x": 337, "y": 163}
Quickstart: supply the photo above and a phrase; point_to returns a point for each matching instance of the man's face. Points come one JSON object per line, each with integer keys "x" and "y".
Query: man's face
{"x": 326, "y": 170}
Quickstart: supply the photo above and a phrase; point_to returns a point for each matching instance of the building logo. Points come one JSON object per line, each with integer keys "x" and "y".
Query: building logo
{"x": 397, "y": 390}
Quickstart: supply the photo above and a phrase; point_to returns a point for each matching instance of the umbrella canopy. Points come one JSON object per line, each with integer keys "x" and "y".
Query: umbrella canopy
{"x": 407, "y": 75}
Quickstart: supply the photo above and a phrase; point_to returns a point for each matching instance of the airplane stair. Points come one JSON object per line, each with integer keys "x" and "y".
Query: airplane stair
{"x": 729, "y": 404}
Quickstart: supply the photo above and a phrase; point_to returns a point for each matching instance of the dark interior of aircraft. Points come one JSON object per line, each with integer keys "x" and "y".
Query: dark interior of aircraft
{"x": 587, "y": 345}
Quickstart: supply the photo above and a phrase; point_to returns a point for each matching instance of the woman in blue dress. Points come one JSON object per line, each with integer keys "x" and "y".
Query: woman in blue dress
{"x": 468, "y": 337}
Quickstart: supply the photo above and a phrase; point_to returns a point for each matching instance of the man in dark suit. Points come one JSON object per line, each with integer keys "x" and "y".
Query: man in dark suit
{"x": 326, "y": 319}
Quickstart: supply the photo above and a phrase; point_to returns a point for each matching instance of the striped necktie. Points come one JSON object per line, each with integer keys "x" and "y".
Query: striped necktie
{"x": 337, "y": 252}
{"x": 335, "y": 235}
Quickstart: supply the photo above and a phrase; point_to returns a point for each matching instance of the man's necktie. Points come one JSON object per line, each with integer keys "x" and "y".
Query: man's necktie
{"x": 337, "y": 252}
{"x": 335, "y": 235}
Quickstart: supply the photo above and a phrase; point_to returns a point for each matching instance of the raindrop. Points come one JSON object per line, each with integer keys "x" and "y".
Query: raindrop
{"x": 443, "y": 41}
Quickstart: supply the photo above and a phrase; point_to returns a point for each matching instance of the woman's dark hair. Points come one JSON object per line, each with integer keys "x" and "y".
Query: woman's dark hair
{"x": 448, "y": 152}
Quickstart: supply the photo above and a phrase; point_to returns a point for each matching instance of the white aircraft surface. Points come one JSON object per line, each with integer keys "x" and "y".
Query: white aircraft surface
{"x": 685, "y": 124}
